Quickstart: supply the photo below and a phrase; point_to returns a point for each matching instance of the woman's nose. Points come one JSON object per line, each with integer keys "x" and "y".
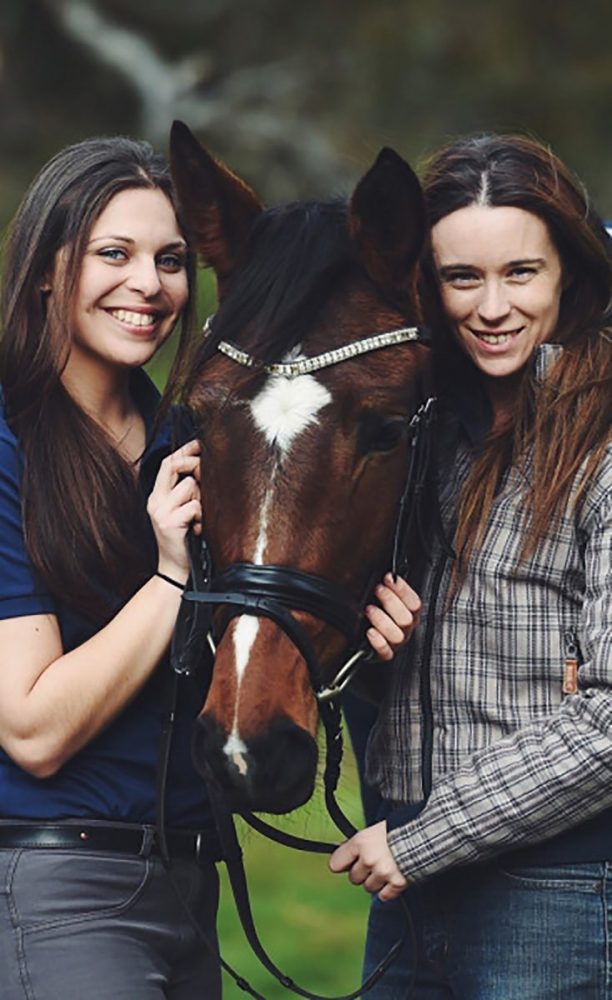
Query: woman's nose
{"x": 143, "y": 276}
{"x": 493, "y": 304}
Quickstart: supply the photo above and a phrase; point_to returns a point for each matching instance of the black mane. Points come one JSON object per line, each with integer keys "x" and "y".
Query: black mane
{"x": 295, "y": 255}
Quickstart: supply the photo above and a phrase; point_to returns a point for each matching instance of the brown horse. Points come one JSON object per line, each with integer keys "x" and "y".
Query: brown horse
{"x": 303, "y": 465}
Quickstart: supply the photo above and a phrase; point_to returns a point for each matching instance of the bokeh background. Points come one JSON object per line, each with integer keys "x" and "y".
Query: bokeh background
{"x": 298, "y": 96}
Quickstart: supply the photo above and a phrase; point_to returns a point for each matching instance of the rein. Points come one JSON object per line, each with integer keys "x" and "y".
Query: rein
{"x": 275, "y": 592}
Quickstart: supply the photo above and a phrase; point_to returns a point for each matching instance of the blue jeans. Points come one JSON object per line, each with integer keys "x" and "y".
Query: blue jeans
{"x": 500, "y": 933}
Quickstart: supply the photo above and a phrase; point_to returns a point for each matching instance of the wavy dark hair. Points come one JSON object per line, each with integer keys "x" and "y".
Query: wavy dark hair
{"x": 563, "y": 424}
{"x": 83, "y": 518}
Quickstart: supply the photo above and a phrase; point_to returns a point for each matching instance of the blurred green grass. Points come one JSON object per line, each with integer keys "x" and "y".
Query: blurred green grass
{"x": 311, "y": 923}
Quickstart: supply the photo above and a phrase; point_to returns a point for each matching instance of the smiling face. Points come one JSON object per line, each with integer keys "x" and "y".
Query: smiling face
{"x": 132, "y": 283}
{"x": 501, "y": 281}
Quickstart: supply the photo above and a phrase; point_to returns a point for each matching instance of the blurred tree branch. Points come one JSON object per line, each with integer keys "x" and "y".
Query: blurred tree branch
{"x": 300, "y": 96}
{"x": 257, "y": 102}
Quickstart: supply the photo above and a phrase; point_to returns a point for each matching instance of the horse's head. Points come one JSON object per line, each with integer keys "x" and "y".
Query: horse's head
{"x": 298, "y": 470}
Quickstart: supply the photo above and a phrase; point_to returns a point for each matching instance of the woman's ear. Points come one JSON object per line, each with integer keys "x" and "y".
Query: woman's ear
{"x": 50, "y": 275}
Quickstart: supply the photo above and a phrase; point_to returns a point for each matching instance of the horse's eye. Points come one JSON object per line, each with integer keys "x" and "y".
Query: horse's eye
{"x": 380, "y": 432}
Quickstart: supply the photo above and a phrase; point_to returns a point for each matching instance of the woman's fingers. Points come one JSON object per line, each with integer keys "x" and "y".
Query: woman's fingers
{"x": 184, "y": 461}
{"x": 379, "y": 644}
{"x": 368, "y": 861}
{"x": 395, "y": 619}
{"x": 399, "y": 600}
{"x": 174, "y": 504}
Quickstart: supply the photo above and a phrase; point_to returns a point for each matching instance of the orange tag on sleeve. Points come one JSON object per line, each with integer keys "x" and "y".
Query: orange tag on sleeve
{"x": 570, "y": 677}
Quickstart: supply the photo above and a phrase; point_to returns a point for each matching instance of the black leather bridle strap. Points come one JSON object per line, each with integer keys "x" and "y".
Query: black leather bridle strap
{"x": 232, "y": 856}
{"x": 266, "y": 608}
{"x": 294, "y": 589}
{"x": 275, "y": 592}
{"x": 235, "y": 869}
{"x": 168, "y": 719}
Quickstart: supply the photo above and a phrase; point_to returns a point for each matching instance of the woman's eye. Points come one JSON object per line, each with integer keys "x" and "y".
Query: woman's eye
{"x": 171, "y": 261}
{"x": 522, "y": 273}
{"x": 460, "y": 279}
{"x": 112, "y": 253}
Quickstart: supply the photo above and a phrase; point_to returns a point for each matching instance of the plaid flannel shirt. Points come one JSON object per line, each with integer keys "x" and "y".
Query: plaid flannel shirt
{"x": 476, "y": 720}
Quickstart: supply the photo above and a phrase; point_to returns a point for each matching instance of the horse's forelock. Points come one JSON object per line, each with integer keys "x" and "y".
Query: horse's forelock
{"x": 294, "y": 258}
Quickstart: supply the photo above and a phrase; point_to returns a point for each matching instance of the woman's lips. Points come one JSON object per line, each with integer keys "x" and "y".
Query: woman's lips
{"x": 134, "y": 317}
{"x": 497, "y": 339}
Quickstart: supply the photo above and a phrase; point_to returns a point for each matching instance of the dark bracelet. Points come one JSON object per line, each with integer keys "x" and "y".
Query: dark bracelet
{"x": 168, "y": 579}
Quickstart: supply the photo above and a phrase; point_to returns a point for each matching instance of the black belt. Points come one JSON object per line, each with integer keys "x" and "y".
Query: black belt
{"x": 200, "y": 846}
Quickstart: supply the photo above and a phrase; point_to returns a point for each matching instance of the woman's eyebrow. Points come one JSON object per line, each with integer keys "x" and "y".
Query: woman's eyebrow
{"x": 173, "y": 244}
{"x": 526, "y": 260}
{"x": 458, "y": 266}
{"x": 112, "y": 236}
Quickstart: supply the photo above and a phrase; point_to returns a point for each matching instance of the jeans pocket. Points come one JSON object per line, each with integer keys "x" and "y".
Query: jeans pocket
{"x": 51, "y": 888}
{"x": 571, "y": 878}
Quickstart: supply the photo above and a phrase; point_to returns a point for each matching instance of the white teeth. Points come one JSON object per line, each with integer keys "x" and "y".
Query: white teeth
{"x": 494, "y": 338}
{"x": 133, "y": 318}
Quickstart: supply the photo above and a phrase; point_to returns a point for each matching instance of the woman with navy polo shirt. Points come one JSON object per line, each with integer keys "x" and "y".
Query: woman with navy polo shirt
{"x": 97, "y": 273}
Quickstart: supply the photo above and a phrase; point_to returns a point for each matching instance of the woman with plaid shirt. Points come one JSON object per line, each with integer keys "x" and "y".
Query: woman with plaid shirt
{"x": 493, "y": 747}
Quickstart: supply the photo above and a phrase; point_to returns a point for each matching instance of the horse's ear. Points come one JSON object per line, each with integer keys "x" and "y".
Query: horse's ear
{"x": 216, "y": 207}
{"x": 387, "y": 220}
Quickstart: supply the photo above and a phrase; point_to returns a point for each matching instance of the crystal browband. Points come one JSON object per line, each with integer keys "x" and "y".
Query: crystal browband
{"x": 303, "y": 366}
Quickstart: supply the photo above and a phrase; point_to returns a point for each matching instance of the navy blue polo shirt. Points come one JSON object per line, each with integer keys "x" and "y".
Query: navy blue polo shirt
{"x": 113, "y": 777}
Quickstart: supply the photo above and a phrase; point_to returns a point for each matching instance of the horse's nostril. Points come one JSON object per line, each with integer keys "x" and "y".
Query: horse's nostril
{"x": 273, "y": 773}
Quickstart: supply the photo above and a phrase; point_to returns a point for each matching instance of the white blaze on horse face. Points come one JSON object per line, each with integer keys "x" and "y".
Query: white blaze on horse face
{"x": 247, "y": 626}
{"x": 262, "y": 536}
{"x": 245, "y": 631}
{"x": 287, "y": 406}
{"x": 282, "y": 410}
{"x": 236, "y": 751}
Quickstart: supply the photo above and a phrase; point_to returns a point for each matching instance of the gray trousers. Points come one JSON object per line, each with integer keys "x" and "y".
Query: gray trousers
{"x": 98, "y": 926}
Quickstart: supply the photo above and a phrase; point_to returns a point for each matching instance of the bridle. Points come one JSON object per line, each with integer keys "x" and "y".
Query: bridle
{"x": 276, "y": 592}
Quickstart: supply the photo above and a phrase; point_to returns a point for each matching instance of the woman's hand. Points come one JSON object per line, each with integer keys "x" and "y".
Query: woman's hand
{"x": 369, "y": 862}
{"x": 394, "y": 621}
{"x": 174, "y": 505}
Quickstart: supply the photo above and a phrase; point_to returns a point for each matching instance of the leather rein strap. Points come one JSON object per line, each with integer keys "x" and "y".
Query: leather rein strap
{"x": 237, "y": 876}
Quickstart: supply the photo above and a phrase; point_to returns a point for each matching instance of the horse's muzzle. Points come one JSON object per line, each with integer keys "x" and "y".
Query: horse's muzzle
{"x": 273, "y": 773}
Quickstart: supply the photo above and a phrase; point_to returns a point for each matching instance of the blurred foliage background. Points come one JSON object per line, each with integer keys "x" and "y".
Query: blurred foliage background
{"x": 298, "y": 98}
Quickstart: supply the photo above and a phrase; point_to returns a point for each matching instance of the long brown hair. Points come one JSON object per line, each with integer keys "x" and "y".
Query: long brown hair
{"x": 83, "y": 518}
{"x": 562, "y": 424}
